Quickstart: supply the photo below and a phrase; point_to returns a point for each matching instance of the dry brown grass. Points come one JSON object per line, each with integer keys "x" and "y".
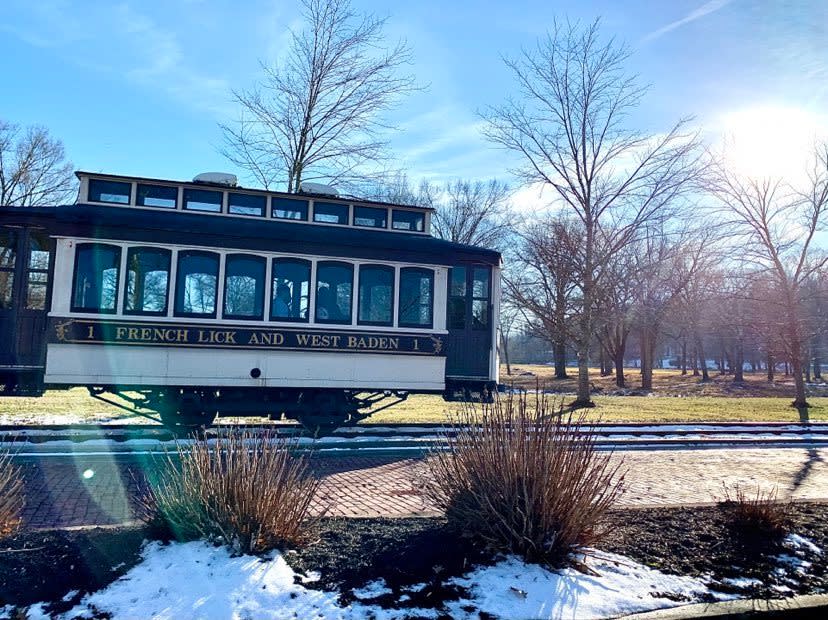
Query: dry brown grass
{"x": 757, "y": 520}
{"x": 11, "y": 496}
{"x": 526, "y": 480}
{"x": 243, "y": 490}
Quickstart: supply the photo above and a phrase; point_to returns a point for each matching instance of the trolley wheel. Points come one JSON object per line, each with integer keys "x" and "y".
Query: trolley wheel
{"x": 322, "y": 412}
{"x": 186, "y": 413}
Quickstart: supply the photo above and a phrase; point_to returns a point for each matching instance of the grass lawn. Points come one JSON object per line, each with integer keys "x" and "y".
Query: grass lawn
{"x": 675, "y": 398}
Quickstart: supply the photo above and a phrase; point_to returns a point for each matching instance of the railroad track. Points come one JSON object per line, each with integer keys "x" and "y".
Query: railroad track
{"x": 403, "y": 438}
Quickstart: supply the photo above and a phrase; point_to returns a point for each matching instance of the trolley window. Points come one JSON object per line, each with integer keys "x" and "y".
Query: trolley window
{"x": 157, "y": 196}
{"x": 147, "y": 282}
{"x": 408, "y": 220}
{"x": 330, "y": 213}
{"x": 202, "y": 200}
{"x": 95, "y": 287}
{"x": 334, "y": 290}
{"x": 109, "y": 191}
{"x": 289, "y": 209}
{"x": 8, "y": 255}
{"x": 416, "y": 297}
{"x": 195, "y": 284}
{"x": 480, "y": 298}
{"x": 291, "y": 290}
{"x": 37, "y": 271}
{"x": 376, "y": 295}
{"x": 457, "y": 298}
{"x": 244, "y": 284}
{"x": 246, "y": 204}
{"x": 370, "y": 216}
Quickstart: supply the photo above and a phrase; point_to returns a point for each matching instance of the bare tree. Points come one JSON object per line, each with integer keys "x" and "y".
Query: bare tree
{"x": 778, "y": 224}
{"x": 33, "y": 168}
{"x": 568, "y": 130}
{"x": 542, "y": 282}
{"x": 317, "y": 116}
{"x": 473, "y": 212}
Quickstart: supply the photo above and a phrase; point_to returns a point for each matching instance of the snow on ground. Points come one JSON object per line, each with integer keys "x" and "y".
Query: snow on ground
{"x": 513, "y": 589}
{"x": 196, "y": 580}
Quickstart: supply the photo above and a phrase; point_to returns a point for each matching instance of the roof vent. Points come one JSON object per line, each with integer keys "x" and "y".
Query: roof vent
{"x": 216, "y": 178}
{"x": 318, "y": 188}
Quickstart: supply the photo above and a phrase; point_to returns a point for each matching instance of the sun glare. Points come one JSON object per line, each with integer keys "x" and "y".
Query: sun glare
{"x": 771, "y": 141}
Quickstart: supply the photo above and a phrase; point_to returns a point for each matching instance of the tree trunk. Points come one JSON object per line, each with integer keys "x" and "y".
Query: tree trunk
{"x": 684, "y": 356}
{"x": 771, "y": 367}
{"x": 648, "y": 342}
{"x": 695, "y": 361}
{"x": 739, "y": 362}
{"x": 702, "y": 359}
{"x": 817, "y": 366}
{"x": 504, "y": 345}
{"x": 559, "y": 348}
{"x": 619, "y": 369}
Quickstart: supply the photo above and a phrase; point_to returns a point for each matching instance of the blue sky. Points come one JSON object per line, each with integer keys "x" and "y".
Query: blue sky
{"x": 139, "y": 87}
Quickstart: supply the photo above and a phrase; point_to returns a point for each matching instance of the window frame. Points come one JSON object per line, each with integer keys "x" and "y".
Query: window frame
{"x": 332, "y": 263}
{"x": 311, "y": 293}
{"x": 358, "y": 207}
{"x": 275, "y": 201}
{"x": 433, "y": 277}
{"x": 243, "y": 317}
{"x": 138, "y": 187}
{"x": 109, "y": 202}
{"x": 196, "y": 315}
{"x": 392, "y": 296}
{"x": 230, "y": 205}
{"x": 197, "y": 190}
{"x": 412, "y": 212}
{"x": 119, "y": 255}
{"x": 133, "y": 250}
{"x": 14, "y": 244}
{"x": 45, "y": 271}
{"x": 473, "y": 298}
{"x": 346, "y": 207}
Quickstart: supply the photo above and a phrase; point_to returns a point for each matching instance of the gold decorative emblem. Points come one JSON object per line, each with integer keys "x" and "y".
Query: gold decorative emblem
{"x": 438, "y": 344}
{"x": 61, "y": 329}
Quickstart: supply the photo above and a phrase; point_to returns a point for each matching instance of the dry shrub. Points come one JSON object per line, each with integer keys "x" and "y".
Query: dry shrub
{"x": 11, "y": 496}
{"x": 244, "y": 490}
{"x": 524, "y": 479}
{"x": 757, "y": 520}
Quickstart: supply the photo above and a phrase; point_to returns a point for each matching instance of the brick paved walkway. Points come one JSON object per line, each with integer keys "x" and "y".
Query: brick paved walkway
{"x": 88, "y": 490}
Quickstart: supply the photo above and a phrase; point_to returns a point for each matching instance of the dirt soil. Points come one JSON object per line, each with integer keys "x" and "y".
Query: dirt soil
{"x": 348, "y": 553}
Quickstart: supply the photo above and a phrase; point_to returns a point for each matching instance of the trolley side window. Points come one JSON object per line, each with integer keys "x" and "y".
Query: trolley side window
{"x": 148, "y": 277}
{"x": 416, "y": 297}
{"x": 480, "y": 298}
{"x": 408, "y": 220}
{"x": 376, "y": 295}
{"x": 246, "y": 204}
{"x": 289, "y": 209}
{"x": 97, "y": 268}
{"x": 202, "y": 200}
{"x": 8, "y": 259}
{"x": 196, "y": 284}
{"x": 244, "y": 284}
{"x": 370, "y": 216}
{"x": 291, "y": 290}
{"x": 457, "y": 298}
{"x": 330, "y": 213}
{"x": 109, "y": 191}
{"x": 334, "y": 291}
{"x": 37, "y": 272}
{"x": 162, "y": 196}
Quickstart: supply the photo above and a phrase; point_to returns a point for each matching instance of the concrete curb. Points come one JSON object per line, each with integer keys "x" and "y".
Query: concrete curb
{"x": 736, "y": 608}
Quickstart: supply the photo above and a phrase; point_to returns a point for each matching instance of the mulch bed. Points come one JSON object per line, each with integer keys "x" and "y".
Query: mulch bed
{"x": 348, "y": 553}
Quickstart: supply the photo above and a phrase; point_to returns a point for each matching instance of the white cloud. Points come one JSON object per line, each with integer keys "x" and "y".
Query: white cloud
{"x": 706, "y": 9}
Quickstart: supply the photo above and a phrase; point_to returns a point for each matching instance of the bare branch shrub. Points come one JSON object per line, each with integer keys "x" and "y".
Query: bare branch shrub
{"x": 242, "y": 490}
{"x": 525, "y": 479}
{"x": 11, "y": 496}
{"x": 757, "y": 521}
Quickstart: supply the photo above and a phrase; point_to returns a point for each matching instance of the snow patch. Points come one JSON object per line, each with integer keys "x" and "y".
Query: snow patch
{"x": 197, "y": 580}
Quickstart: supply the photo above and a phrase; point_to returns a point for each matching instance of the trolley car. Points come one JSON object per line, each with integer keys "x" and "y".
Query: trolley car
{"x": 199, "y": 299}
